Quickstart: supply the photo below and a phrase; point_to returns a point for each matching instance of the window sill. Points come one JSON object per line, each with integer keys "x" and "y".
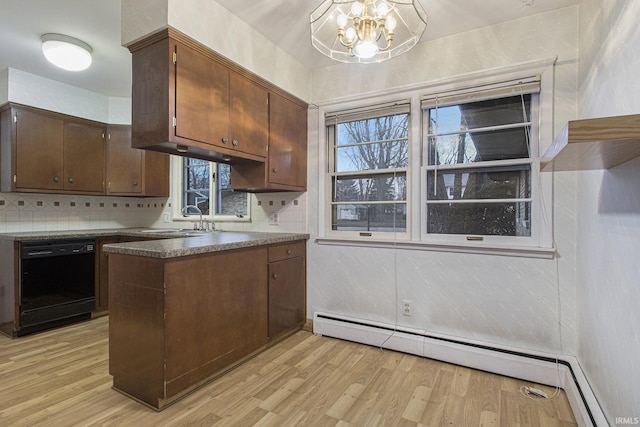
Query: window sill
{"x": 512, "y": 251}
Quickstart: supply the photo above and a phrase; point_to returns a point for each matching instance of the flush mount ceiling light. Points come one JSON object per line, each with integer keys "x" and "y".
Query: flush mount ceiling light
{"x": 365, "y": 31}
{"x": 66, "y": 52}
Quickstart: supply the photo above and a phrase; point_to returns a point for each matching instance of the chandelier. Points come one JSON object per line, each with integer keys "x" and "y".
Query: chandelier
{"x": 365, "y": 31}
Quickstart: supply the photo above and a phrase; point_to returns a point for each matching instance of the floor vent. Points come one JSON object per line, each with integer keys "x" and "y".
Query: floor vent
{"x": 538, "y": 368}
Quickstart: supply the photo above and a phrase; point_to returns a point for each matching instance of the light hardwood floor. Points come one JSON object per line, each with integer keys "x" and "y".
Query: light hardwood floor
{"x": 61, "y": 378}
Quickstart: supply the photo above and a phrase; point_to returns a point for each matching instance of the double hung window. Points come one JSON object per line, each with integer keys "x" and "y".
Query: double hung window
{"x": 480, "y": 163}
{"x": 368, "y": 161}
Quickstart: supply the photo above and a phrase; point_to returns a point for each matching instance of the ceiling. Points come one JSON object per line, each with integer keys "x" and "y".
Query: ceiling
{"x": 284, "y": 22}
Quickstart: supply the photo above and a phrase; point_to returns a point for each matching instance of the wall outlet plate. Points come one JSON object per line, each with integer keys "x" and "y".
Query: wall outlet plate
{"x": 407, "y": 308}
{"x": 273, "y": 219}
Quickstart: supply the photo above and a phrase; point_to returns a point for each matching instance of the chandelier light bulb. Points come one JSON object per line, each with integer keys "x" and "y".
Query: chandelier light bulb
{"x": 342, "y": 20}
{"x": 366, "y": 49}
{"x": 350, "y": 34}
{"x": 357, "y": 8}
{"x": 382, "y": 9}
{"x": 390, "y": 23}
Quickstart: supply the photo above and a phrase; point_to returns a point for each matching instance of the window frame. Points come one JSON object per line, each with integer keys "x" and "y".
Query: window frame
{"x": 535, "y": 179}
{"x": 400, "y": 106}
{"x": 177, "y": 192}
{"x": 543, "y": 248}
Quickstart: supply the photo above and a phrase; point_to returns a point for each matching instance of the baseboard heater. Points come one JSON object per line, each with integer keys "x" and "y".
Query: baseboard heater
{"x": 540, "y": 368}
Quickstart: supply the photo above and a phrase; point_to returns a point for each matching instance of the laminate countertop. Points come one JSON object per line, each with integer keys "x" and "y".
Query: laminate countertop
{"x": 167, "y": 243}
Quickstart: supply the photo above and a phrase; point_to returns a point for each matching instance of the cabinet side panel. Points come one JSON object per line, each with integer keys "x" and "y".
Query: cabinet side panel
{"x": 216, "y": 313}
{"x": 5, "y": 150}
{"x": 136, "y": 331}
{"x": 151, "y": 111}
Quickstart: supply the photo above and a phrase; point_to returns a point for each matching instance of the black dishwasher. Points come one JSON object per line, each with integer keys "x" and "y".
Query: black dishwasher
{"x": 57, "y": 283}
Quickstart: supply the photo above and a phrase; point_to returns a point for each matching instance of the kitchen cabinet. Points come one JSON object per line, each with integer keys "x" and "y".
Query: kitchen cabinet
{"x": 287, "y": 294}
{"x": 178, "y": 321}
{"x": 286, "y": 166}
{"x": 48, "y": 152}
{"x": 187, "y": 100}
{"x": 51, "y": 153}
{"x": 134, "y": 172}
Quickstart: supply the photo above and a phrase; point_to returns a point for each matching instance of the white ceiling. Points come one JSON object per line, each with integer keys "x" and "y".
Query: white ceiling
{"x": 284, "y": 22}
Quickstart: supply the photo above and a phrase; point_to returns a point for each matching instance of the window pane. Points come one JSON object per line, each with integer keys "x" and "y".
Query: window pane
{"x": 372, "y": 156}
{"x": 383, "y": 217}
{"x": 489, "y": 219}
{"x": 476, "y": 147}
{"x": 196, "y": 184}
{"x": 228, "y": 202}
{"x": 502, "y": 182}
{"x": 372, "y": 188}
{"x": 474, "y": 115}
{"x": 370, "y": 130}
{"x": 199, "y": 198}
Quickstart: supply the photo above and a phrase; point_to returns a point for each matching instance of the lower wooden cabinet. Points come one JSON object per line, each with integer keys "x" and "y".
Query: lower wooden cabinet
{"x": 287, "y": 290}
{"x": 177, "y": 323}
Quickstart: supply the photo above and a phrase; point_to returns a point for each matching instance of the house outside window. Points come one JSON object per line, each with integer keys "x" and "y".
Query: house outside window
{"x": 480, "y": 163}
{"x": 207, "y": 185}
{"x": 368, "y": 161}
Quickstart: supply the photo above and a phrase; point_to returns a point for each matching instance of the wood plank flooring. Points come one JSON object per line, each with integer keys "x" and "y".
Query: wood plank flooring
{"x": 60, "y": 378}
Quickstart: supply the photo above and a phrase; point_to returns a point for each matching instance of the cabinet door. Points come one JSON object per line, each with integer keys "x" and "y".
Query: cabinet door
{"x": 202, "y": 97}
{"x": 286, "y": 295}
{"x": 124, "y": 164}
{"x": 38, "y": 151}
{"x": 83, "y": 155}
{"x": 287, "y": 143}
{"x": 249, "y": 111}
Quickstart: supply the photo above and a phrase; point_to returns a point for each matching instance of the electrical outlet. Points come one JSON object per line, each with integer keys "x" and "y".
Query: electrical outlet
{"x": 166, "y": 217}
{"x": 273, "y": 218}
{"x": 407, "y": 307}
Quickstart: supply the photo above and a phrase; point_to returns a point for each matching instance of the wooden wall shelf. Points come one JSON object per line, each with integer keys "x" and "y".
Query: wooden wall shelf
{"x": 600, "y": 143}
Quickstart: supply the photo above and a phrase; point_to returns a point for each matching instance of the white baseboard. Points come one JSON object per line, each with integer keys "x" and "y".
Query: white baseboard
{"x": 534, "y": 367}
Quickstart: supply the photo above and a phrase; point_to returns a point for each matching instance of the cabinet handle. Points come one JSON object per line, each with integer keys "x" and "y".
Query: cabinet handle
{"x": 135, "y": 183}
{"x": 234, "y": 142}
{"x": 274, "y": 275}
{"x": 289, "y": 251}
{"x": 275, "y": 170}
{"x": 225, "y": 140}
{"x": 56, "y": 179}
{"x": 71, "y": 180}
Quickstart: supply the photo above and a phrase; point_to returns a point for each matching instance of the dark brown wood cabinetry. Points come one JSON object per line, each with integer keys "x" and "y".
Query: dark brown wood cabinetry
{"x": 188, "y": 100}
{"x": 176, "y": 323}
{"x": 287, "y": 295}
{"x": 134, "y": 172}
{"x": 48, "y": 152}
{"x": 286, "y": 166}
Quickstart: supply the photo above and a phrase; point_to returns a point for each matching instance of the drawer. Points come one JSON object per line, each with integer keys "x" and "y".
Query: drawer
{"x": 287, "y": 250}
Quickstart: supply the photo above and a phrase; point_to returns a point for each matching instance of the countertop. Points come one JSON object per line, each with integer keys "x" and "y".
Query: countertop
{"x": 169, "y": 243}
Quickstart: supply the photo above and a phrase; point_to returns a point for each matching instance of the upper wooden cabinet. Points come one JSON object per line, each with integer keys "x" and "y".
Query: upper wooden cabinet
{"x": 186, "y": 102}
{"x": 286, "y": 166}
{"x": 190, "y": 101}
{"x": 46, "y": 152}
{"x": 131, "y": 171}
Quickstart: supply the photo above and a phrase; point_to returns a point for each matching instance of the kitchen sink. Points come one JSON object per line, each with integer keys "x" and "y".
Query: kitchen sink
{"x": 187, "y": 232}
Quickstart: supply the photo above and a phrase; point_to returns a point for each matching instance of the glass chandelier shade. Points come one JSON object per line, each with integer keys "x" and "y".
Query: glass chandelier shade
{"x": 366, "y": 31}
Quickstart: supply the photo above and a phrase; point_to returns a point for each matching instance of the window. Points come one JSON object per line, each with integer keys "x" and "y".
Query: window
{"x": 368, "y": 170}
{"x": 466, "y": 151}
{"x": 480, "y": 163}
{"x": 199, "y": 179}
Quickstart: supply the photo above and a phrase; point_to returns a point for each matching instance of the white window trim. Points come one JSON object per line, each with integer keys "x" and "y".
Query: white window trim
{"x": 176, "y": 198}
{"x": 544, "y": 247}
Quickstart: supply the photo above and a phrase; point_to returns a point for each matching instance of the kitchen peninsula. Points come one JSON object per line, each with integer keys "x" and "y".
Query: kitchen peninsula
{"x": 184, "y": 311}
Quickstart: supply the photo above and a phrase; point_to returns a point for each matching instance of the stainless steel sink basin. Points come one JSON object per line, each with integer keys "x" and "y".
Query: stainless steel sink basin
{"x": 187, "y": 232}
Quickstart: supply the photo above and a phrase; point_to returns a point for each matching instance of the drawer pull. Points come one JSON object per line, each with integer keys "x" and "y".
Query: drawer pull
{"x": 225, "y": 140}
{"x": 275, "y": 276}
{"x": 71, "y": 180}
{"x": 289, "y": 251}
{"x": 234, "y": 142}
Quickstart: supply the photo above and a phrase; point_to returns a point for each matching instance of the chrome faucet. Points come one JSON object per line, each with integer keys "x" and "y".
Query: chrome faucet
{"x": 185, "y": 212}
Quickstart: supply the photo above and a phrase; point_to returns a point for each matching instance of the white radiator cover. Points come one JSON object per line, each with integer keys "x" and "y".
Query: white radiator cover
{"x": 534, "y": 367}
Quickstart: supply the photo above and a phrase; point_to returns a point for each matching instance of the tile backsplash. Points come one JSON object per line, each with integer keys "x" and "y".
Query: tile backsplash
{"x": 21, "y": 212}
{"x": 46, "y": 212}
